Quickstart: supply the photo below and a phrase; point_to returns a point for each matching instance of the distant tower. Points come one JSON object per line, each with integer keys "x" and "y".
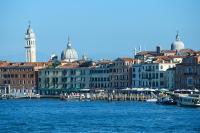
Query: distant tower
{"x": 158, "y": 49}
{"x": 140, "y": 48}
{"x": 135, "y": 51}
{"x": 30, "y": 45}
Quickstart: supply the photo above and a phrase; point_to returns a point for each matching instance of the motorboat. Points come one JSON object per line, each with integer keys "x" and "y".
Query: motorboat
{"x": 166, "y": 101}
{"x": 189, "y": 100}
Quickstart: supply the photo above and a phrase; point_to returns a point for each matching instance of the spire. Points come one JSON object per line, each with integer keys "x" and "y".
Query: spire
{"x": 29, "y": 30}
{"x": 68, "y": 39}
{"x": 135, "y": 51}
{"x": 140, "y": 48}
{"x": 69, "y": 43}
{"x": 177, "y": 36}
{"x": 29, "y": 24}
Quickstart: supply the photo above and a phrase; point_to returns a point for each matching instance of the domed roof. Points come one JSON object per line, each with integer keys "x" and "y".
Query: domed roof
{"x": 177, "y": 44}
{"x": 69, "y": 54}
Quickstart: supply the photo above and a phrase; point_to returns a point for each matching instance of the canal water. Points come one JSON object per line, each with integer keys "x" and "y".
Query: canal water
{"x": 56, "y": 116}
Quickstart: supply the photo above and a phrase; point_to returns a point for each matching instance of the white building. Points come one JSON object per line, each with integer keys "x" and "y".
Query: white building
{"x": 150, "y": 75}
{"x": 136, "y": 75}
{"x": 170, "y": 78}
{"x": 69, "y": 54}
{"x": 30, "y": 46}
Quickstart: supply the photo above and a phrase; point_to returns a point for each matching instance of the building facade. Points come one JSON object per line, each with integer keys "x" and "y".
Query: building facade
{"x": 20, "y": 77}
{"x": 99, "y": 75}
{"x": 121, "y": 73}
{"x": 170, "y": 78}
{"x": 152, "y": 74}
{"x": 55, "y": 80}
{"x": 187, "y": 73}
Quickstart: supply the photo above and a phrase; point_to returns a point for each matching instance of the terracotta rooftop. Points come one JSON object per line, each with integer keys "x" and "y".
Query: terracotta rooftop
{"x": 128, "y": 59}
{"x": 168, "y": 51}
{"x": 21, "y": 64}
{"x": 69, "y": 65}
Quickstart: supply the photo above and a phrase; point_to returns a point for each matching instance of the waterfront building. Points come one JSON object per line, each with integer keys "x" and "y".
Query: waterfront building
{"x": 65, "y": 77}
{"x": 187, "y": 73}
{"x": 21, "y": 77}
{"x": 152, "y": 74}
{"x": 69, "y": 54}
{"x": 170, "y": 78}
{"x": 99, "y": 75}
{"x": 121, "y": 73}
{"x": 30, "y": 46}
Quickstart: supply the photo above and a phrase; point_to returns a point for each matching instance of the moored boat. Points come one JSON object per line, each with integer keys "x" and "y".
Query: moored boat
{"x": 166, "y": 101}
{"x": 189, "y": 100}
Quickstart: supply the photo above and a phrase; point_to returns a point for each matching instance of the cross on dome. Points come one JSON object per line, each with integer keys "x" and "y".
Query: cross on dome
{"x": 177, "y": 36}
{"x": 69, "y": 45}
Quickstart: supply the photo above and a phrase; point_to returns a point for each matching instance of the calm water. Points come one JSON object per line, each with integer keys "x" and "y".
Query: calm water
{"x": 55, "y": 116}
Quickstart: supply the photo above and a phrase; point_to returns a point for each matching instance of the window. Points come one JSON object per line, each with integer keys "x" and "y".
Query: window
{"x": 189, "y": 81}
{"x": 64, "y": 72}
{"x": 161, "y": 75}
{"x": 161, "y": 83}
{"x": 189, "y": 70}
{"x": 31, "y": 75}
{"x": 156, "y": 67}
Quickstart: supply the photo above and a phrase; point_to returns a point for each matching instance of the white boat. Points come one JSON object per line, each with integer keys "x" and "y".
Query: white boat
{"x": 189, "y": 100}
{"x": 151, "y": 100}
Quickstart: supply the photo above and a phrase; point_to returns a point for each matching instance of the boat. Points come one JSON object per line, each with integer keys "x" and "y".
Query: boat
{"x": 6, "y": 96}
{"x": 189, "y": 100}
{"x": 166, "y": 101}
{"x": 152, "y": 100}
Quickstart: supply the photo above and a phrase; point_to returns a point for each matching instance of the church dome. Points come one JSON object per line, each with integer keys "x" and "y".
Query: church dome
{"x": 69, "y": 54}
{"x": 177, "y": 44}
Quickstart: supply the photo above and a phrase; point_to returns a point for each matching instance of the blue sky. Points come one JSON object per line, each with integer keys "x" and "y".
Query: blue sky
{"x": 101, "y": 29}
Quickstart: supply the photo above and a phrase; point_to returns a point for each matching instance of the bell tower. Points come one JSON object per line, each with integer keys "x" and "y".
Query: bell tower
{"x": 30, "y": 45}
